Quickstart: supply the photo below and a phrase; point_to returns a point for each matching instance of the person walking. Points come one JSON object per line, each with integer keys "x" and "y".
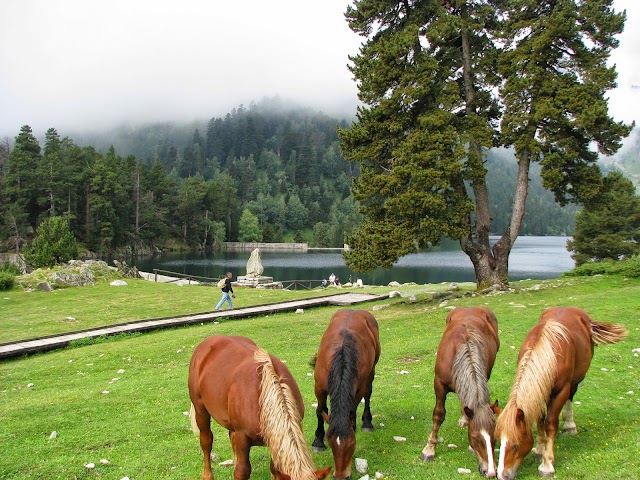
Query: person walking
{"x": 227, "y": 292}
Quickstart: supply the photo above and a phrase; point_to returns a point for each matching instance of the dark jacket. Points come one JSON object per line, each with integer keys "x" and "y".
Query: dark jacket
{"x": 227, "y": 286}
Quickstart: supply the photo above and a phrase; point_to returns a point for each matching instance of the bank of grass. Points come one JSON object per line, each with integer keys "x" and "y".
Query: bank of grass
{"x": 123, "y": 399}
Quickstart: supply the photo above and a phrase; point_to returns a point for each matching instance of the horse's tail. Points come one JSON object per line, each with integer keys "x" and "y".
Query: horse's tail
{"x": 604, "y": 333}
{"x": 192, "y": 417}
{"x": 280, "y": 423}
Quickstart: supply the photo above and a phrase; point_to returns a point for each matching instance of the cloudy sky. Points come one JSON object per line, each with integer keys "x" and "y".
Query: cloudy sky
{"x": 90, "y": 64}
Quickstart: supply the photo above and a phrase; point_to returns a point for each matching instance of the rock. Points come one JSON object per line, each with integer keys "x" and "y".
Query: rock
{"x": 413, "y": 298}
{"x": 104, "y": 461}
{"x": 464, "y": 471}
{"x": 379, "y": 307}
{"x": 399, "y": 439}
{"x": 394, "y": 294}
{"x": 53, "y": 435}
{"x": 366, "y": 477}
{"x": 126, "y": 271}
{"x": 454, "y": 287}
{"x": 226, "y": 463}
{"x": 393, "y": 284}
{"x": 379, "y": 475}
{"x": 44, "y": 287}
{"x": 118, "y": 283}
{"x": 90, "y": 466}
{"x": 254, "y": 265}
{"x": 452, "y": 445}
{"x": 299, "y": 311}
{"x": 362, "y": 465}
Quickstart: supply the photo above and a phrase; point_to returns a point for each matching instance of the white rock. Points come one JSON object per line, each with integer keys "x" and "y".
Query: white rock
{"x": 53, "y": 435}
{"x": 394, "y": 294}
{"x": 412, "y": 298}
{"x": 381, "y": 424}
{"x": 29, "y": 385}
{"x": 404, "y": 372}
{"x": 366, "y": 477}
{"x": 379, "y": 307}
{"x": 393, "y": 284}
{"x": 104, "y": 461}
{"x": 452, "y": 445}
{"x": 226, "y": 463}
{"x": 90, "y": 466}
{"x": 105, "y": 392}
{"x": 299, "y": 310}
{"x": 118, "y": 283}
{"x": 71, "y": 319}
{"x": 464, "y": 471}
{"x": 630, "y": 392}
{"x": 124, "y": 478}
{"x": 400, "y": 439}
{"x": 121, "y": 371}
{"x": 604, "y": 369}
{"x": 362, "y": 465}
{"x": 379, "y": 475}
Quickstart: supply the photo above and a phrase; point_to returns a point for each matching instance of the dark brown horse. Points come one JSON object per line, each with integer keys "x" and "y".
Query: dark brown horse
{"x": 466, "y": 354}
{"x": 254, "y": 396}
{"x": 553, "y": 360}
{"x": 344, "y": 371}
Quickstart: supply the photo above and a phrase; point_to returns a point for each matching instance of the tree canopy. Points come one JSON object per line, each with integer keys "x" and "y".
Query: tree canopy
{"x": 443, "y": 82}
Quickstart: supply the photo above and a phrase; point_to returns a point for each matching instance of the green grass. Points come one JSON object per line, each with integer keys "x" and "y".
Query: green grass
{"x": 139, "y": 426}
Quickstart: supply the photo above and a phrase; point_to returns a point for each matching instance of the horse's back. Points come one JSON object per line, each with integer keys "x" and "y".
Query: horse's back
{"x": 572, "y": 342}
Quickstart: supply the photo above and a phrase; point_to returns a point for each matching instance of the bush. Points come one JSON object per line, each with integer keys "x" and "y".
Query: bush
{"x": 629, "y": 267}
{"x": 10, "y": 267}
{"x": 53, "y": 245}
{"x": 7, "y": 280}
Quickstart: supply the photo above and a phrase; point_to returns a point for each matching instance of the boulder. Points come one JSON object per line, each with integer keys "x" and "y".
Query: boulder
{"x": 254, "y": 265}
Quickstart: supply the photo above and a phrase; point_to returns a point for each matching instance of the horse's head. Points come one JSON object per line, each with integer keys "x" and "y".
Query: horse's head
{"x": 516, "y": 441}
{"x": 320, "y": 474}
{"x": 481, "y": 438}
{"x": 343, "y": 444}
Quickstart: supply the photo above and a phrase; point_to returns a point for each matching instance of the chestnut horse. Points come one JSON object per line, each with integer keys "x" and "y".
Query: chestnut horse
{"x": 466, "y": 354}
{"x": 254, "y": 396}
{"x": 553, "y": 360}
{"x": 344, "y": 371}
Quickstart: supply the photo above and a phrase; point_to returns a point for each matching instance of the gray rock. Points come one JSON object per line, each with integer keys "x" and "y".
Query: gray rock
{"x": 393, "y": 284}
{"x": 362, "y": 465}
{"x": 118, "y": 283}
{"x": 394, "y": 294}
{"x": 379, "y": 307}
{"x": 254, "y": 265}
{"x": 44, "y": 286}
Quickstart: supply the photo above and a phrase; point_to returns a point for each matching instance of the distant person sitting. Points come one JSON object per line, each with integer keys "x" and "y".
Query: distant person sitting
{"x": 332, "y": 279}
{"x": 336, "y": 282}
{"x": 324, "y": 282}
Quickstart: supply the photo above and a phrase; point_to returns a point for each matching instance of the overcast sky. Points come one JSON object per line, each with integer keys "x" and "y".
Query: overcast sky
{"x": 90, "y": 64}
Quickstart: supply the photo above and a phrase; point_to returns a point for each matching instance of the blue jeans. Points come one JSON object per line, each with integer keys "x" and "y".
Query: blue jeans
{"x": 225, "y": 298}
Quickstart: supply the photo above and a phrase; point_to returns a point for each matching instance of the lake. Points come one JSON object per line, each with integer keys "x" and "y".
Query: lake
{"x": 531, "y": 258}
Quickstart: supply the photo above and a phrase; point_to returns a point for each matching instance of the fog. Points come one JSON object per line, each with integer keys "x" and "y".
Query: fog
{"x": 75, "y": 65}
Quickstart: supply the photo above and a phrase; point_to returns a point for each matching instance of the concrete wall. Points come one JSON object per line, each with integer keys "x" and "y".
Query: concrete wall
{"x": 266, "y": 247}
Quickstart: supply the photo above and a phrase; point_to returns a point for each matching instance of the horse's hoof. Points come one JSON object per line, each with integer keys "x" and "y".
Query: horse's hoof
{"x": 316, "y": 449}
{"x": 471, "y": 451}
{"x": 367, "y": 429}
{"x": 542, "y": 474}
{"x": 427, "y": 457}
{"x": 570, "y": 431}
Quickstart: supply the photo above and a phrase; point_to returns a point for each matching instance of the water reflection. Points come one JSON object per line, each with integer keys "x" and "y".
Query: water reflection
{"x": 531, "y": 257}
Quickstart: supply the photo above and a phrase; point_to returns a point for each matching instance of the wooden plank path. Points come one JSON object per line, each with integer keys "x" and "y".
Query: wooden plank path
{"x": 22, "y": 347}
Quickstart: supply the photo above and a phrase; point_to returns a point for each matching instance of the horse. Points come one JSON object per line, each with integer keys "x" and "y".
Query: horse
{"x": 254, "y": 396}
{"x": 553, "y": 360}
{"x": 465, "y": 358}
{"x": 344, "y": 371}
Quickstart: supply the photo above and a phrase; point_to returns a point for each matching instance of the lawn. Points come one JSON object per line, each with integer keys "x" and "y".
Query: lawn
{"x": 123, "y": 399}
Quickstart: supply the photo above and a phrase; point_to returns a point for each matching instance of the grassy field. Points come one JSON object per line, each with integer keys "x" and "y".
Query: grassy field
{"x": 123, "y": 399}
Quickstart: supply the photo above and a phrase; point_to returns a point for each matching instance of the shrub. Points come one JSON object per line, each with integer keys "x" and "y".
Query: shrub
{"x": 7, "y": 280}
{"x": 53, "y": 245}
{"x": 10, "y": 267}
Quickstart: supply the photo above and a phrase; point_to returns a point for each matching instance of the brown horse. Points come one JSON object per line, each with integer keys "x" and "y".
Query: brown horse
{"x": 254, "y": 396}
{"x": 466, "y": 354}
{"x": 553, "y": 360}
{"x": 344, "y": 371}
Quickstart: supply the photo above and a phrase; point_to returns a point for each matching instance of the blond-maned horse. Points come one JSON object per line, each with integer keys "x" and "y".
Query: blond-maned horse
{"x": 254, "y": 396}
{"x": 465, "y": 358}
{"x": 553, "y": 360}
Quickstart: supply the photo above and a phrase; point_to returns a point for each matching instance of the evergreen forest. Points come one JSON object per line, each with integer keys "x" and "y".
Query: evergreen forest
{"x": 264, "y": 173}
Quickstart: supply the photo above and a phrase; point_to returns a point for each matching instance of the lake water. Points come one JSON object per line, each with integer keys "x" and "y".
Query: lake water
{"x": 531, "y": 258}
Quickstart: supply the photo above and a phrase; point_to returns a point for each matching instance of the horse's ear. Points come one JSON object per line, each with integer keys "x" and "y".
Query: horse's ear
{"x": 520, "y": 419}
{"x": 469, "y": 413}
{"x": 495, "y": 408}
{"x": 325, "y": 415}
{"x": 324, "y": 473}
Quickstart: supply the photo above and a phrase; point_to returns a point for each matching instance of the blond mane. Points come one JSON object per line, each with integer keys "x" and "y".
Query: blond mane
{"x": 534, "y": 379}
{"x": 280, "y": 424}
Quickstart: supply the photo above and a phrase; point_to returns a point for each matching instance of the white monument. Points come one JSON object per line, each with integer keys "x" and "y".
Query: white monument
{"x": 254, "y": 277}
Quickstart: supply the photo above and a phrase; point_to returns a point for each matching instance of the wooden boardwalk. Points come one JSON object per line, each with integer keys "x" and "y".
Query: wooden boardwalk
{"x": 22, "y": 347}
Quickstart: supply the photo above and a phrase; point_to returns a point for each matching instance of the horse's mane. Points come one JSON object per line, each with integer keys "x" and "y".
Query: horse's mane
{"x": 342, "y": 374}
{"x": 280, "y": 423}
{"x": 534, "y": 380}
{"x": 470, "y": 380}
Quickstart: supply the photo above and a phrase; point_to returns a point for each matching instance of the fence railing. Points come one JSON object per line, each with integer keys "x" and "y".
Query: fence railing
{"x": 182, "y": 276}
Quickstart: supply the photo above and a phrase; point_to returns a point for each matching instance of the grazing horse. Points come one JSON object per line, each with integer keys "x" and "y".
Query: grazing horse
{"x": 344, "y": 371}
{"x": 254, "y": 396}
{"x": 466, "y": 354}
{"x": 553, "y": 360}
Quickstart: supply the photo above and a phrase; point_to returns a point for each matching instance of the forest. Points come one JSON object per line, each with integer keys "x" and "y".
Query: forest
{"x": 263, "y": 173}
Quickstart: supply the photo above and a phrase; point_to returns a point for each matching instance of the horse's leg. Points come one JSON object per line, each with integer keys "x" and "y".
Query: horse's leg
{"x": 567, "y": 415}
{"x": 541, "y": 440}
{"x": 318, "y": 442}
{"x": 203, "y": 420}
{"x": 367, "y": 418}
{"x": 240, "y": 444}
{"x": 439, "y": 413}
{"x": 546, "y": 468}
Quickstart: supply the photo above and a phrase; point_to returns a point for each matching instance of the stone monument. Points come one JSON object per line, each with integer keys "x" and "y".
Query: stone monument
{"x": 254, "y": 277}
